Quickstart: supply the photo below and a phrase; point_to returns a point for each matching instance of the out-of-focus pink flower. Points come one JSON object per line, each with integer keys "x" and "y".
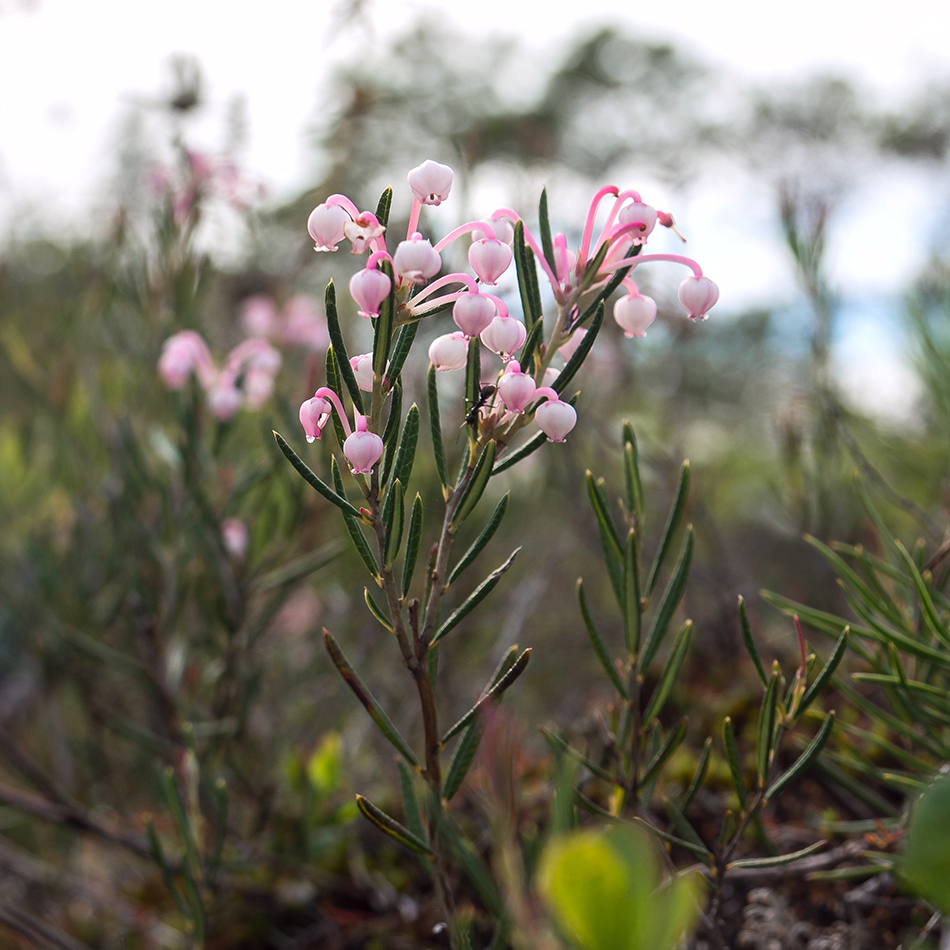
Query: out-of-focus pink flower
{"x": 234, "y": 534}
{"x": 431, "y": 182}
{"x": 473, "y": 312}
{"x": 515, "y": 388}
{"x": 259, "y": 316}
{"x": 224, "y": 398}
{"x": 489, "y": 259}
{"x": 362, "y": 448}
{"x": 416, "y": 260}
{"x": 183, "y": 354}
{"x": 325, "y": 225}
{"x": 362, "y": 367}
{"x": 369, "y": 288}
{"x": 304, "y": 324}
{"x": 634, "y": 313}
{"x": 449, "y": 351}
{"x": 504, "y": 336}
{"x": 697, "y": 296}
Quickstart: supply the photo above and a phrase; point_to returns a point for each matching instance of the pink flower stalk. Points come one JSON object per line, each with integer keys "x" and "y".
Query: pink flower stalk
{"x": 489, "y": 259}
{"x": 516, "y": 389}
{"x": 416, "y": 261}
{"x": 564, "y": 259}
{"x": 634, "y": 313}
{"x": 431, "y": 182}
{"x": 362, "y": 367}
{"x": 183, "y": 354}
{"x": 504, "y": 335}
{"x": 363, "y": 230}
{"x": 369, "y": 288}
{"x": 568, "y": 349}
{"x": 325, "y": 225}
{"x": 473, "y": 312}
{"x": 449, "y": 351}
{"x": 234, "y": 535}
{"x": 697, "y": 295}
{"x": 554, "y": 417}
{"x": 363, "y": 449}
{"x": 314, "y": 413}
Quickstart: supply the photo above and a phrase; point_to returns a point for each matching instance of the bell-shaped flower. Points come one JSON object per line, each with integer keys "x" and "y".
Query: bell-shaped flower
{"x": 314, "y": 413}
{"x": 697, "y": 296}
{"x": 568, "y": 349}
{"x": 431, "y": 182}
{"x": 550, "y": 374}
{"x": 473, "y": 312}
{"x": 504, "y": 232}
{"x": 504, "y": 336}
{"x": 362, "y": 230}
{"x": 515, "y": 388}
{"x": 369, "y": 288}
{"x": 362, "y": 367}
{"x": 634, "y": 313}
{"x": 449, "y": 351}
{"x": 415, "y": 260}
{"x": 326, "y": 224}
{"x": 224, "y": 398}
{"x": 362, "y": 448}
{"x": 640, "y": 219}
{"x": 489, "y": 259}
{"x": 183, "y": 354}
{"x": 555, "y": 418}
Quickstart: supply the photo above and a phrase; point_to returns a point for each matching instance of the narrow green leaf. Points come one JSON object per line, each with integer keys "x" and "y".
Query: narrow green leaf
{"x": 670, "y": 671}
{"x": 220, "y": 828}
{"x": 383, "y": 207}
{"x": 413, "y": 543}
{"x": 861, "y": 790}
{"x": 805, "y": 759}
{"x": 383, "y": 324}
{"x": 683, "y": 827}
{"x": 475, "y": 598}
{"x": 673, "y": 520}
{"x": 169, "y": 788}
{"x": 401, "y": 347}
{"x": 336, "y": 384}
{"x": 601, "y": 296}
{"x": 488, "y": 532}
{"x": 747, "y": 638}
{"x": 530, "y": 348}
{"x": 675, "y": 740}
{"x": 765, "y": 735}
{"x": 395, "y": 524}
{"x": 438, "y": 444}
{"x": 376, "y": 610}
{"x": 669, "y": 603}
{"x": 527, "y": 278}
{"x": 827, "y": 671}
{"x": 928, "y": 610}
{"x": 580, "y": 354}
{"x": 735, "y": 765}
{"x": 521, "y": 453}
{"x": 391, "y": 434}
{"x": 496, "y": 692}
{"x": 653, "y": 745}
{"x": 353, "y": 526}
{"x": 410, "y": 803}
{"x": 631, "y": 595}
{"x": 365, "y": 697}
{"x": 159, "y": 855}
{"x": 473, "y": 374}
{"x": 406, "y": 453}
{"x": 631, "y": 471}
{"x": 609, "y": 539}
{"x": 391, "y": 827}
{"x": 471, "y": 865}
{"x": 547, "y": 244}
{"x": 596, "y": 641}
{"x": 462, "y": 760}
{"x": 700, "y": 850}
{"x": 776, "y": 860}
{"x": 339, "y": 348}
{"x": 476, "y": 486}
{"x": 699, "y": 777}
{"x": 594, "y": 265}
{"x": 313, "y": 480}
{"x": 560, "y": 745}
{"x": 504, "y": 664}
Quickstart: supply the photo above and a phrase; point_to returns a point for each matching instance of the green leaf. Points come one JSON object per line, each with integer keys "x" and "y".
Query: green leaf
{"x": 522, "y": 452}
{"x": 160, "y": 859}
{"x": 413, "y": 542}
{"x": 462, "y": 760}
{"x": 391, "y": 827}
{"x": 487, "y": 534}
{"x": 928, "y": 610}
{"x": 336, "y": 384}
{"x": 827, "y": 671}
{"x": 631, "y": 471}
{"x": 390, "y": 433}
{"x": 376, "y": 610}
{"x": 670, "y": 671}
{"x": 609, "y": 539}
{"x": 673, "y": 520}
{"x": 700, "y": 850}
{"x": 504, "y": 664}
{"x": 395, "y": 524}
{"x": 699, "y": 777}
{"x": 339, "y": 348}
{"x": 475, "y": 598}
{"x": 169, "y": 788}
{"x": 596, "y": 641}
{"x": 401, "y": 347}
{"x": 684, "y": 828}
{"x": 406, "y": 453}
{"x": 560, "y": 745}
{"x": 669, "y": 603}
{"x": 735, "y": 765}
{"x": 353, "y": 526}
{"x": 383, "y": 324}
{"x": 475, "y": 488}
{"x": 473, "y": 374}
{"x": 765, "y": 735}
{"x": 652, "y": 768}
{"x": 631, "y": 595}
{"x": 580, "y": 354}
{"x": 926, "y": 863}
{"x": 383, "y": 207}
{"x": 746, "y": 629}
{"x": 496, "y": 692}
{"x": 777, "y": 860}
{"x": 367, "y": 700}
{"x": 530, "y": 347}
{"x": 438, "y": 444}
{"x": 527, "y": 277}
{"x": 313, "y": 480}
{"x": 410, "y": 803}
{"x": 547, "y": 245}
{"x": 805, "y": 759}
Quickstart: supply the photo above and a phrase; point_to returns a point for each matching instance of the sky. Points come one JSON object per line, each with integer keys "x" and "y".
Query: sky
{"x": 70, "y": 70}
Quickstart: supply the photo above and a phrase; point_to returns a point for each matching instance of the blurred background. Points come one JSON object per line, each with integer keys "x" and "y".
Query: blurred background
{"x": 157, "y": 166}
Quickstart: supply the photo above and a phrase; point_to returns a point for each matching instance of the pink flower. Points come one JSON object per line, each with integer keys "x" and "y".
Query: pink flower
{"x": 634, "y": 313}
{"x": 224, "y": 398}
{"x": 697, "y": 295}
{"x": 642, "y": 217}
{"x": 568, "y": 349}
{"x": 473, "y": 312}
{"x": 362, "y": 367}
{"x": 326, "y": 224}
{"x": 183, "y": 354}
{"x": 504, "y": 335}
{"x": 489, "y": 259}
{"x": 314, "y": 413}
{"x": 449, "y": 351}
{"x": 362, "y": 448}
{"x": 362, "y": 230}
{"x": 234, "y": 536}
{"x": 554, "y": 417}
{"x": 504, "y": 231}
{"x": 431, "y": 182}
{"x": 369, "y": 288}
{"x": 515, "y": 388}
{"x": 416, "y": 260}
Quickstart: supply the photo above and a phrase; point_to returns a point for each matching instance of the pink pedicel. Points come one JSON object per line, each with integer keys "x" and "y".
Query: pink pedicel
{"x": 504, "y": 336}
{"x": 697, "y": 296}
{"x": 325, "y": 225}
{"x": 416, "y": 261}
{"x": 431, "y": 182}
{"x": 634, "y": 313}
{"x": 362, "y": 367}
{"x": 449, "y": 351}
{"x": 489, "y": 259}
{"x": 516, "y": 388}
{"x": 369, "y": 288}
{"x": 554, "y": 417}
{"x": 314, "y": 413}
{"x": 362, "y": 448}
{"x": 473, "y": 312}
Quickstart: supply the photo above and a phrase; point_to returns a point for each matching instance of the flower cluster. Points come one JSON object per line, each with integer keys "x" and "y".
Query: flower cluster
{"x": 246, "y": 379}
{"x": 298, "y": 323}
{"x": 518, "y": 394}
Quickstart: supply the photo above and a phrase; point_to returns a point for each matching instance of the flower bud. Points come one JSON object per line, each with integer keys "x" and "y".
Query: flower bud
{"x": 369, "y": 288}
{"x": 431, "y": 182}
{"x": 362, "y": 367}
{"x": 416, "y": 260}
{"x": 515, "y": 388}
{"x": 362, "y": 448}
{"x": 473, "y": 312}
{"x": 449, "y": 351}
{"x": 326, "y": 224}
{"x": 504, "y": 335}
{"x": 697, "y": 296}
{"x": 634, "y": 313}
{"x": 489, "y": 259}
{"x": 555, "y": 419}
